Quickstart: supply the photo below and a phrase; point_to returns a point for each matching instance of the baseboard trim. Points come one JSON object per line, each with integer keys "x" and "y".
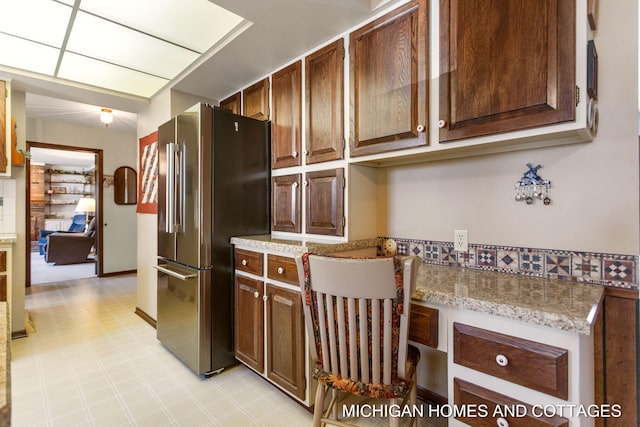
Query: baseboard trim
{"x": 119, "y": 273}
{"x": 430, "y": 396}
{"x": 144, "y": 316}
{"x": 19, "y": 334}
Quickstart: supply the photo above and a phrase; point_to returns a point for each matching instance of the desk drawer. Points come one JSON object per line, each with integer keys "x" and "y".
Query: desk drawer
{"x": 493, "y": 408}
{"x": 531, "y": 364}
{"x": 282, "y": 269}
{"x": 423, "y": 325}
{"x": 251, "y": 262}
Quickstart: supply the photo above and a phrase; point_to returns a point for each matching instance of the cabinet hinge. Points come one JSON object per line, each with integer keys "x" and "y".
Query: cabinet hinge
{"x": 344, "y": 182}
{"x": 344, "y": 144}
{"x": 577, "y": 95}
{"x": 344, "y": 52}
{"x": 6, "y": 92}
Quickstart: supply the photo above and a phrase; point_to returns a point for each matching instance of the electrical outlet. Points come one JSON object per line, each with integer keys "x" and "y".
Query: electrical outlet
{"x": 461, "y": 240}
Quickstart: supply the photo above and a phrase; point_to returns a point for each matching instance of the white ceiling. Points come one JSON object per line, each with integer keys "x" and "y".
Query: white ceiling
{"x": 62, "y": 158}
{"x": 279, "y": 31}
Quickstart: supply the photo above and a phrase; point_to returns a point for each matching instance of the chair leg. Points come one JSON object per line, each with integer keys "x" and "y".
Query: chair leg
{"x": 394, "y": 421}
{"x": 318, "y": 409}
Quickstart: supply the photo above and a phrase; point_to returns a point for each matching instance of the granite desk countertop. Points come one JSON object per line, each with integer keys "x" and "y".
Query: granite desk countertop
{"x": 8, "y": 238}
{"x": 295, "y": 247}
{"x": 5, "y": 357}
{"x": 559, "y": 304}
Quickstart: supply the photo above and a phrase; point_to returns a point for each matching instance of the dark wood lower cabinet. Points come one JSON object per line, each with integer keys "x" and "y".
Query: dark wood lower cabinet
{"x": 285, "y": 340}
{"x": 616, "y": 356}
{"x": 249, "y": 322}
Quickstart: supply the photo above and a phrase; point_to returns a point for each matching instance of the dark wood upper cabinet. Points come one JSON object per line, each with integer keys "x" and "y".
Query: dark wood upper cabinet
{"x": 325, "y": 202}
{"x": 232, "y": 103}
{"x": 324, "y": 71}
{"x": 505, "y": 65}
{"x": 286, "y": 124}
{"x": 256, "y": 100}
{"x": 286, "y": 200}
{"x": 389, "y": 81}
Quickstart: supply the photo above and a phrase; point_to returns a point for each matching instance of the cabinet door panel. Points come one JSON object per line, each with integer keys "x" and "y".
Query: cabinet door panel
{"x": 389, "y": 81}
{"x": 325, "y": 103}
{"x": 256, "y": 100}
{"x": 249, "y": 322}
{"x": 325, "y": 202}
{"x": 285, "y": 340}
{"x": 286, "y": 126}
{"x": 232, "y": 103}
{"x": 505, "y": 66}
{"x": 286, "y": 203}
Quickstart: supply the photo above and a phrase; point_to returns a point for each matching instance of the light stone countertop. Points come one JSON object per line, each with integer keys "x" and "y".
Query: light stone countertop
{"x": 296, "y": 247}
{"x": 560, "y": 304}
{"x": 8, "y": 238}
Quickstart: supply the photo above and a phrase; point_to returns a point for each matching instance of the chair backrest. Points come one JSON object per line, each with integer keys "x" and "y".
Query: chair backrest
{"x": 77, "y": 223}
{"x": 357, "y": 312}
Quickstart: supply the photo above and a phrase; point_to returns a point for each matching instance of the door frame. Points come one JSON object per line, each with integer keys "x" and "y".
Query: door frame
{"x": 98, "y": 195}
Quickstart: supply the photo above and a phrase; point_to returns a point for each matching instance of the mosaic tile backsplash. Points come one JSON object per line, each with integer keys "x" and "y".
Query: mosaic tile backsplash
{"x": 606, "y": 269}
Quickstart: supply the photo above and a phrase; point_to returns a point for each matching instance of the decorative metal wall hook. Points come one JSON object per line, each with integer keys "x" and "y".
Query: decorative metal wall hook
{"x": 531, "y": 187}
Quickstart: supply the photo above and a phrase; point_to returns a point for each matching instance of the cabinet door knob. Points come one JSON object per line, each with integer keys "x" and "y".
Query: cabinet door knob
{"x": 244, "y": 262}
{"x": 256, "y": 294}
{"x": 295, "y": 185}
{"x": 501, "y": 422}
{"x": 294, "y": 154}
{"x": 280, "y": 270}
{"x": 264, "y": 297}
{"x": 420, "y": 128}
{"x": 441, "y": 123}
{"x": 502, "y": 360}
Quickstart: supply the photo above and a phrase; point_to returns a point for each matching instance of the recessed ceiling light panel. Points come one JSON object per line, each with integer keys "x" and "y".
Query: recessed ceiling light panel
{"x": 196, "y": 24}
{"x": 104, "y": 40}
{"x": 26, "y": 55}
{"x": 43, "y": 21}
{"x": 90, "y": 71}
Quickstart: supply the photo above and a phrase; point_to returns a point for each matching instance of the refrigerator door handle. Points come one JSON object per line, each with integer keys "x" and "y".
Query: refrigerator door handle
{"x": 171, "y": 188}
{"x": 184, "y": 277}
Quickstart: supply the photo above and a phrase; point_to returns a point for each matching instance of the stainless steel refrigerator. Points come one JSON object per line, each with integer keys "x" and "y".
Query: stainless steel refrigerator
{"x": 213, "y": 183}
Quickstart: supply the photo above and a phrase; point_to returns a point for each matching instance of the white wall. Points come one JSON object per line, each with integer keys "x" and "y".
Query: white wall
{"x": 594, "y": 185}
{"x": 119, "y": 149}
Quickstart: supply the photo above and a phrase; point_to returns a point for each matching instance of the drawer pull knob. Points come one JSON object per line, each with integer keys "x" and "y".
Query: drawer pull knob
{"x": 501, "y": 422}
{"x": 280, "y": 270}
{"x": 256, "y": 294}
{"x": 244, "y": 262}
{"x": 502, "y": 360}
{"x": 264, "y": 297}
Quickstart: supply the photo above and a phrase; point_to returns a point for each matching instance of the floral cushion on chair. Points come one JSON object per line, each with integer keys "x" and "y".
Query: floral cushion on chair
{"x": 397, "y": 388}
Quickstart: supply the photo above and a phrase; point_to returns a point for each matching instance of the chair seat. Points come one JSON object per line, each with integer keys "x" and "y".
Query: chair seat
{"x": 398, "y": 387}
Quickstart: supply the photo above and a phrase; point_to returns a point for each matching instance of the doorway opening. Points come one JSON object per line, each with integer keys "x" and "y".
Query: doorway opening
{"x": 64, "y": 205}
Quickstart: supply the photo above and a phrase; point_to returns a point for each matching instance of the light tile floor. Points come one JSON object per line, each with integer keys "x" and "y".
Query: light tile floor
{"x": 93, "y": 362}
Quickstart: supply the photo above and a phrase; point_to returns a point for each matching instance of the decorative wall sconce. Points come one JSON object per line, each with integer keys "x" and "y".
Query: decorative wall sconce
{"x": 531, "y": 187}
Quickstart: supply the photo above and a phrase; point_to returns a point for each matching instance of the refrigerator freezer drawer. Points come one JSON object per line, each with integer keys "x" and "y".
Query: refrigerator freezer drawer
{"x": 184, "y": 315}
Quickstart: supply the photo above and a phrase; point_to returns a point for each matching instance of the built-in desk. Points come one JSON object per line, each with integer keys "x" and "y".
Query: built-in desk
{"x": 512, "y": 340}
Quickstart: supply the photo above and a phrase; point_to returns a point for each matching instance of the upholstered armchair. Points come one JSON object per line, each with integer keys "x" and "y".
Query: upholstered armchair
{"x": 77, "y": 226}
{"x": 69, "y": 248}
